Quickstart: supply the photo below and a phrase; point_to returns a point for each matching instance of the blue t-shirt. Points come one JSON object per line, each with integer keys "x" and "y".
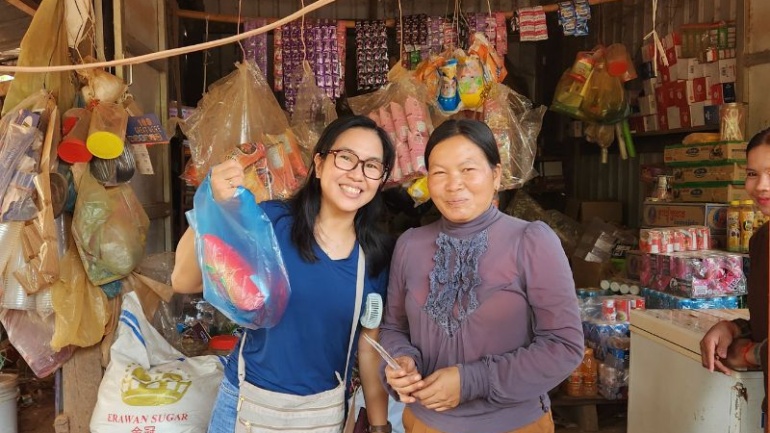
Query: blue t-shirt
{"x": 301, "y": 354}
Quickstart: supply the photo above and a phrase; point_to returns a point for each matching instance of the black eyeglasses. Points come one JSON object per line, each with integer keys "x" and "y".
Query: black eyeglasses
{"x": 347, "y": 160}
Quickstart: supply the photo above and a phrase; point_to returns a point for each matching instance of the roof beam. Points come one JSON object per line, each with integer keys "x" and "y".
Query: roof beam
{"x": 27, "y": 6}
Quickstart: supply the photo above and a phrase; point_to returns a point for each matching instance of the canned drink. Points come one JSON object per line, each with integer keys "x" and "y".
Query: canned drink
{"x": 703, "y": 238}
{"x": 622, "y": 310}
{"x": 608, "y": 310}
{"x": 679, "y": 240}
{"x": 666, "y": 241}
{"x": 656, "y": 241}
{"x": 692, "y": 235}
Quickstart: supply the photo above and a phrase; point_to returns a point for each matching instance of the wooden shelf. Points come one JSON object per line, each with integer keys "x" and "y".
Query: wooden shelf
{"x": 707, "y": 128}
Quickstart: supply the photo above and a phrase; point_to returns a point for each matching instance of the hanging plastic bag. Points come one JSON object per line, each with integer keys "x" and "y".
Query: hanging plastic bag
{"x": 110, "y": 230}
{"x": 30, "y": 335}
{"x": 44, "y": 44}
{"x": 313, "y": 111}
{"x": 515, "y": 125}
{"x": 150, "y": 386}
{"x": 243, "y": 272}
{"x": 400, "y": 109}
{"x": 40, "y": 241}
{"x": 80, "y": 306}
{"x": 239, "y": 108}
{"x": 21, "y": 142}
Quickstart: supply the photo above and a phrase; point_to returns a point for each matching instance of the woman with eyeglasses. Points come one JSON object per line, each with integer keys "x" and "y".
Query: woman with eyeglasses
{"x": 319, "y": 231}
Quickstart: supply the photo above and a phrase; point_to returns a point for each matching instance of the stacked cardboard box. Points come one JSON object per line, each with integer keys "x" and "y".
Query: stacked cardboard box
{"x": 688, "y": 91}
{"x": 708, "y": 172}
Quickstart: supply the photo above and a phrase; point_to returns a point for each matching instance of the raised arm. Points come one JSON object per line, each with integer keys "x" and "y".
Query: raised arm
{"x": 186, "y": 277}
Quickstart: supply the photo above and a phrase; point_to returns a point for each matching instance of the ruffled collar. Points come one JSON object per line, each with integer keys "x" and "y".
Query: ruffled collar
{"x": 463, "y": 230}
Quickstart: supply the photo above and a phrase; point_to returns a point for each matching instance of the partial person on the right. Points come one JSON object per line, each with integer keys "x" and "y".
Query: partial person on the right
{"x": 741, "y": 344}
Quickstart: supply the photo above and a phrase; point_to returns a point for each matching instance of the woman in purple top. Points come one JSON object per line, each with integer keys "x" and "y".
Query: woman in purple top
{"x": 481, "y": 311}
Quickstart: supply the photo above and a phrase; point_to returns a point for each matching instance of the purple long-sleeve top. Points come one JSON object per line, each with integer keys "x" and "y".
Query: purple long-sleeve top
{"x": 516, "y": 333}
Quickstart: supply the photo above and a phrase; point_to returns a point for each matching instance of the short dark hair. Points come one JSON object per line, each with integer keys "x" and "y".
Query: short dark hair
{"x": 474, "y": 130}
{"x": 761, "y": 137}
{"x": 306, "y": 202}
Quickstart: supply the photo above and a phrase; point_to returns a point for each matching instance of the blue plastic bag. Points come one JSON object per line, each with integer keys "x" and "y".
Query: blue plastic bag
{"x": 244, "y": 276}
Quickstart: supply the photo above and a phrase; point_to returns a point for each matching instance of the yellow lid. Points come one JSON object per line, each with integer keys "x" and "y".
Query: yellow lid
{"x": 749, "y": 202}
{"x": 104, "y": 145}
{"x": 735, "y": 203}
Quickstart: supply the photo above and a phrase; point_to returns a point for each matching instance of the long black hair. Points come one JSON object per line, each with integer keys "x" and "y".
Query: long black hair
{"x": 306, "y": 203}
{"x": 475, "y": 131}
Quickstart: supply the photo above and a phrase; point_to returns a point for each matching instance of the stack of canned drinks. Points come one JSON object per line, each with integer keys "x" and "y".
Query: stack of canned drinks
{"x": 660, "y": 300}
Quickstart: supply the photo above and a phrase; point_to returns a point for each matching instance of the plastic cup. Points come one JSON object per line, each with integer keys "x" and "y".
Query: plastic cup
{"x": 732, "y": 121}
{"x": 617, "y": 60}
{"x": 76, "y": 123}
{"x": 107, "y": 130}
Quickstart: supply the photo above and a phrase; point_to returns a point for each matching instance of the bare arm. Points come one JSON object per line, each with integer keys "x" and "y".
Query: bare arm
{"x": 375, "y": 396}
{"x": 186, "y": 277}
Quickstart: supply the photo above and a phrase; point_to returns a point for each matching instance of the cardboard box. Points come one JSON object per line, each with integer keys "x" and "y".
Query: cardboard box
{"x": 720, "y": 151}
{"x": 650, "y": 123}
{"x": 649, "y": 86}
{"x": 648, "y": 105}
{"x": 711, "y": 215}
{"x": 727, "y": 72}
{"x": 664, "y": 73}
{"x": 661, "y": 96}
{"x": 684, "y": 117}
{"x": 720, "y": 192}
{"x": 673, "y": 117}
{"x": 711, "y": 114}
{"x": 646, "y": 70}
{"x": 722, "y": 93}
{"x": 589, "y": 274}
{"x": 723, "y": 172}
{"x": 585, "y": 211}
{"x": 662, "y": 121}
{"x": 697, "y": 90}
{"x": 697, "y": 117}
{"x": 636, "y": 123}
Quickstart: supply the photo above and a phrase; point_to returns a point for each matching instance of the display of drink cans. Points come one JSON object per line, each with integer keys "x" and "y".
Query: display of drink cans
{"x": 703, "y": 236}
{"x": 608, "y": 310}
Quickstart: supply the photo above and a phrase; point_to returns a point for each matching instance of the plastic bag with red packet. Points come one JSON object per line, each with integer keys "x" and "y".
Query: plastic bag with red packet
{"x": 239, "y": 108}
{"x": 244, "y": 275}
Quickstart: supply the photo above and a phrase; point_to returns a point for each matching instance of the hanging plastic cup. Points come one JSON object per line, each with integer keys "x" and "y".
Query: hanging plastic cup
{"x": 76, "y": 123}
{"x": 107, "y": 131}
{"x": 15, "y": 297}
{"x": 732, "y": 121}
{"x": 617, "y": 60}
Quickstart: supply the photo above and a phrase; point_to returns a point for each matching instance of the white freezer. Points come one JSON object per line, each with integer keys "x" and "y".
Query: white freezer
{"x": 671, "y": 392}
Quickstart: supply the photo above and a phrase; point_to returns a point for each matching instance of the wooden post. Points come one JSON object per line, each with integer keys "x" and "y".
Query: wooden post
{"x": 81, "y": 376}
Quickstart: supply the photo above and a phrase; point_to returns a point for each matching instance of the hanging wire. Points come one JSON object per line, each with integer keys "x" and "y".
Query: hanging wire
{"x": 164, "y": 54}
{"x": 238, "y": 29}
{"x": 302, "y": 34}
{"x": 206, "y": 57}
{"x": 401, "y": 31}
